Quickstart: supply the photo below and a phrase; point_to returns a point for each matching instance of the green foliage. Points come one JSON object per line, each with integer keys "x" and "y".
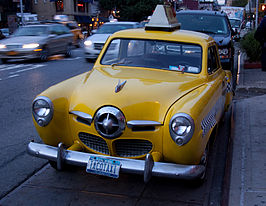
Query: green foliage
{"x": 251, "y": 46}
{"x": 130, "y": 10}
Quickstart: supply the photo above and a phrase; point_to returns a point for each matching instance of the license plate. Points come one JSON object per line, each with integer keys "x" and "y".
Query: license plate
{"x": 11, "y": 53}
{"x": 103, "y": 166}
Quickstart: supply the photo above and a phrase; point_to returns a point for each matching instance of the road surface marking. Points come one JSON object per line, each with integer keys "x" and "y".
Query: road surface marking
{"x": 31, "y": 68}
{"x": 14, "y": 67}
{"x": 12, "y": 76}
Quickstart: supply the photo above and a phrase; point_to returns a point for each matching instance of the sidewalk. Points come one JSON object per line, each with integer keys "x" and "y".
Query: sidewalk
{"x": 248, "y": 172}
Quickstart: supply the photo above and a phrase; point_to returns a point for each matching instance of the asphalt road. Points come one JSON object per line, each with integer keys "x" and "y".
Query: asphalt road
{"x": 20, "y": 82}
{"x": 26, "y": 180}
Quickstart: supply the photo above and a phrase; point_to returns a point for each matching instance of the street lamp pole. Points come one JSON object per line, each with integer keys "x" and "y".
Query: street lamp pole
{"x": 257, "y": 13}
{"x": 21, "y": 12}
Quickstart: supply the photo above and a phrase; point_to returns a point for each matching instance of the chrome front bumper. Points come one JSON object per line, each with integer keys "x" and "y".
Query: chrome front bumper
{"x": 145, "y": 167}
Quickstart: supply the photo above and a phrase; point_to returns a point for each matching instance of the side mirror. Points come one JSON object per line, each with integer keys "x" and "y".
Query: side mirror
{"x": 94, "y": 31}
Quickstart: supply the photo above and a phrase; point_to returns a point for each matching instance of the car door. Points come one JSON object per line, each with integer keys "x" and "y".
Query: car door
{"x": 53, "y": 42}
{"x": 65, "y": 38}
{"x": 217, "y": 82}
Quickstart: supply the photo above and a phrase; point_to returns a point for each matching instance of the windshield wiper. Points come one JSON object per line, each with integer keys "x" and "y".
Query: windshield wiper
{"x": 122, "y": 61}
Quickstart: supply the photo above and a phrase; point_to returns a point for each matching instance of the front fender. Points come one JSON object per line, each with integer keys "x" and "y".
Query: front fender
{"x": 58, "y": 129}
{"x": 199, "y": 103}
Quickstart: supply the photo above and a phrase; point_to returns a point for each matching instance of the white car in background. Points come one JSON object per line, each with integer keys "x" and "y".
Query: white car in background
{"x": 94, "y": 44}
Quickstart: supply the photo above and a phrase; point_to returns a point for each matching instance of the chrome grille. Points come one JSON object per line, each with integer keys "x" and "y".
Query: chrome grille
{"x": 98, "y": 46}
{"x": 132, "y": 147}
{"x": 94, "y": 142}
{"x": 13, "y": 46}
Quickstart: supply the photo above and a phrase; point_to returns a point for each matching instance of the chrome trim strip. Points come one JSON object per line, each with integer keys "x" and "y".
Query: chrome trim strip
{"x": 162, "y": 169}
{"x": 137, "y": 123}
{"x": 82, "y": 115}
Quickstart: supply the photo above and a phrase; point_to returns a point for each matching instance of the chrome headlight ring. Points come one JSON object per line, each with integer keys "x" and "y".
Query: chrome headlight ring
{"x": 42, "y": 110}
{"x": 181, "y": 128}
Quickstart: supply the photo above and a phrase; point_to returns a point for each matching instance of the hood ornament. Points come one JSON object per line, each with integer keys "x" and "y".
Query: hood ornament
{"x": 120, "y": 86}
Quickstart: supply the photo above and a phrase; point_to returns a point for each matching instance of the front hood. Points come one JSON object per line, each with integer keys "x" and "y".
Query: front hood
{"x": 23, "y": 39}
{"x": 221, "y": 40}
{"x": 99, "y": 38}
{"x": 147, "y": 94}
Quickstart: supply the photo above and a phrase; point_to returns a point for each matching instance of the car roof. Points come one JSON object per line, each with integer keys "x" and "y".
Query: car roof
{"x": 177, "y": 35}
{"x": 43, "y": 25}
{"x": 122, "y": 22}
{"x": 202, "y": 12}
{"x": 233, "y": 18}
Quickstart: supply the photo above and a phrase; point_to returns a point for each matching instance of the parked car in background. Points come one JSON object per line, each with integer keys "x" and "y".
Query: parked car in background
{"x": 94, "y": 44}
{"x": 217, "y": 25}
{"x": 5, "y": 32}
{"x": 237, "y": 25}
{"x": 37, "y": 41}
{"x": 150, "y": 106}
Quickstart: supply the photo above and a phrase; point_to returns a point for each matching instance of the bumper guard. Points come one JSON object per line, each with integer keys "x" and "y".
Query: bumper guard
{"x": 145, "y": 167}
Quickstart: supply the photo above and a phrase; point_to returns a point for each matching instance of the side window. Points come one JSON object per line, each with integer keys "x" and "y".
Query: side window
{"x": 60, "y": 29}
{"x": 54, "y": 30}
{"x": 135, "y": 48}
{"x": 65, "y": 30}
{"x": 213, "y": 63}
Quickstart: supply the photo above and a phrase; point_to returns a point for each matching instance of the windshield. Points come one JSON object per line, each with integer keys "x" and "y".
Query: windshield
{"x": 235, "y": 23}
{"x": 31, "y": 31}
{"x": 174, "y": 56}
{"x": 112, "y": 28}
{"x": 203, "y": 23}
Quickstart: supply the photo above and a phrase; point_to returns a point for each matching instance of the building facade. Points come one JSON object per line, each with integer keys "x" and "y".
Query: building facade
{"x": 81, "y": 10}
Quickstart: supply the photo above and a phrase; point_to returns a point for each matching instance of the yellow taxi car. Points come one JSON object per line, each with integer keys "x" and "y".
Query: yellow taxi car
{"x": 149, "y": 105}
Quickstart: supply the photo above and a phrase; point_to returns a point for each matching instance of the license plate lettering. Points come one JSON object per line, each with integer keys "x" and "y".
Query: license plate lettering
{"x": 103, "y": 166}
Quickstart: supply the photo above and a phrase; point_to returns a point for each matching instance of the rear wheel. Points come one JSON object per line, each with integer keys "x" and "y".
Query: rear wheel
{"x": 44, "y": 54}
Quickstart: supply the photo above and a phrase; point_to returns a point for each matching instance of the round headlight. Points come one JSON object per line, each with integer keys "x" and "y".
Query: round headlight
{"x": 181, "y": 128}
{"x": 42, "y": 110}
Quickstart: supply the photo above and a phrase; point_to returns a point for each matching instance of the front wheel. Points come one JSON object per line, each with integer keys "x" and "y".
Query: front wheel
{"x": 68, "y": 51}
{"x": 204, "y": 161}
{"x": 4, "y": 61}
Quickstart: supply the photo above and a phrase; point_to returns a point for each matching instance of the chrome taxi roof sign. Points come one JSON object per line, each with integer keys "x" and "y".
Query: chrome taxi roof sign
{"x": 163, "y": 19}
